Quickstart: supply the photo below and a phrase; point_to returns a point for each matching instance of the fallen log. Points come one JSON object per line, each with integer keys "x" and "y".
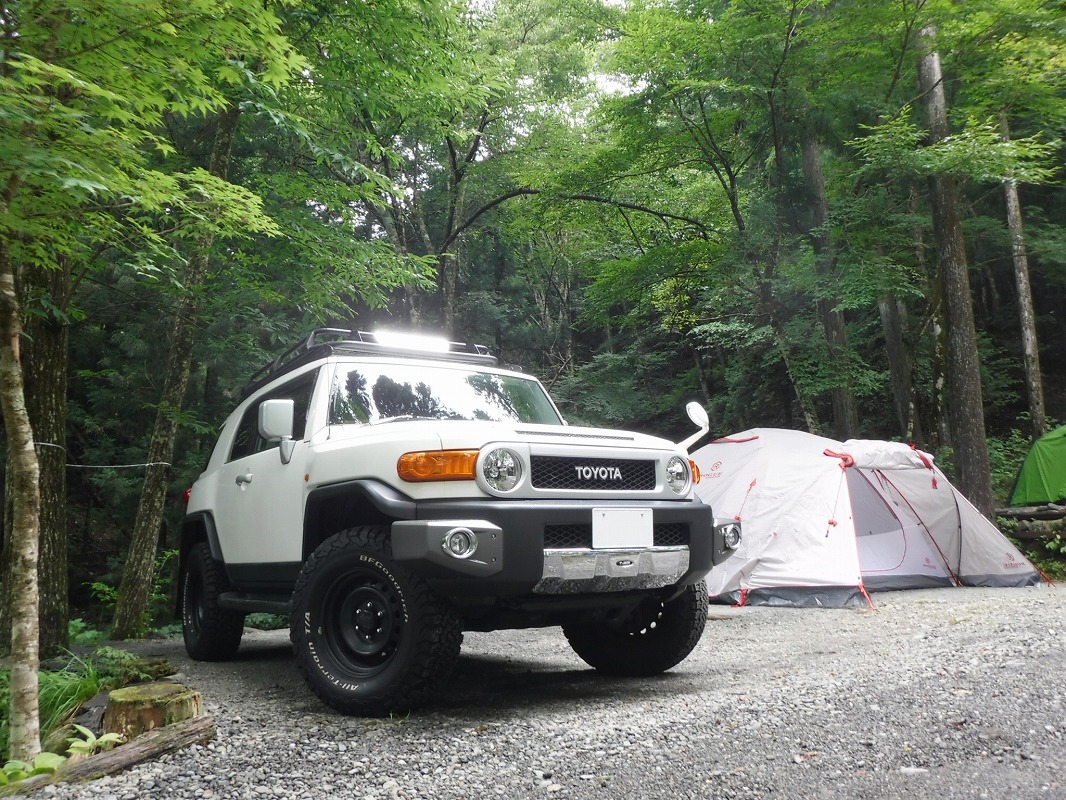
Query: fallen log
{"x": 1050, "y": 511}
{"x": 148, "y": 746}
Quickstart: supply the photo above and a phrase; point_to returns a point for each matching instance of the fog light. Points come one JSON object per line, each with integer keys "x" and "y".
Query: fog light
{"x": 460, "y": 543}
{"x": 731, "y": 535}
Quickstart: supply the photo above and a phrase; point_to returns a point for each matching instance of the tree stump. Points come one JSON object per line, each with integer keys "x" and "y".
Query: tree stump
{"x": 133, "y": 710}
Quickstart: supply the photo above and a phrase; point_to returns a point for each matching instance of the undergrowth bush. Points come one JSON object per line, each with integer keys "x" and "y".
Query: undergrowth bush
{"x": 63, "y": 689}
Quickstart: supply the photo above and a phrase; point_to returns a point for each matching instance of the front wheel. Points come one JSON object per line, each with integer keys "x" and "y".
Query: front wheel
{"x": 370, "y": 637}
{"x": 655, "y": 637}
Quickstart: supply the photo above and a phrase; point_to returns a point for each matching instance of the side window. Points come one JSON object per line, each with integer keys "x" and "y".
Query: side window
{"x": 248, "y": 441}
{"x": 245, "y": 440}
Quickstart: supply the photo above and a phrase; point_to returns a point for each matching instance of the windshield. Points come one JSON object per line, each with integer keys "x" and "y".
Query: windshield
{"x": 383, "y": 392}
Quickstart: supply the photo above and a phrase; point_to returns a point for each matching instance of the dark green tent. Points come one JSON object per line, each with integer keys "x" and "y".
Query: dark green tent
{"x": 1042, "y": 478}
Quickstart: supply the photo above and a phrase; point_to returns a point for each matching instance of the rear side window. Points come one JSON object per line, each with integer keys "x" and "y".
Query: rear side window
{"x": 248, "y": 441}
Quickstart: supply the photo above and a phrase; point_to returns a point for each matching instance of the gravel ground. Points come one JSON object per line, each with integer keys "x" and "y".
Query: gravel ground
{"x": 955, "y": 693}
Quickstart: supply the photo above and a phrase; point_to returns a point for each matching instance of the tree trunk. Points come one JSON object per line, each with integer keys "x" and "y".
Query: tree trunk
{"x": 23, "y": 475}
{"x": 140, "y": 563}
{"x": 449, "y": 288}
{"x": 967, "y": 421}
{"x": 1034, "y": 383}
{"x": 894, "y": 325}
{"x": 45, "y": 371}
{"x": 845, "y": 409}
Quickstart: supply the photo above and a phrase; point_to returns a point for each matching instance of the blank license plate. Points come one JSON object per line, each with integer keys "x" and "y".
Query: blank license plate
{"x": 621, "y": 527}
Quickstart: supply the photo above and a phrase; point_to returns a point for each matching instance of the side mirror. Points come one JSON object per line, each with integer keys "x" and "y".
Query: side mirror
{"x": 698, "y": 414}
{"x": 276, "y": 422}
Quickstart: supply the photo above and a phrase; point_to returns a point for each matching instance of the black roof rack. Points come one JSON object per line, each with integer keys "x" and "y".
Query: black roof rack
{"x": 322, "y": 342}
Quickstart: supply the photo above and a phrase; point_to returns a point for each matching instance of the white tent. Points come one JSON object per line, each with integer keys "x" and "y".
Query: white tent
{"x": 825, "y": 521}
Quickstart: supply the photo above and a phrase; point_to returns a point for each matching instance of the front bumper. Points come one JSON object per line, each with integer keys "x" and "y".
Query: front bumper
{"x": 545, "y": 547}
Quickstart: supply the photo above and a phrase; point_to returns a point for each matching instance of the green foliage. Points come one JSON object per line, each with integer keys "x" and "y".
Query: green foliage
{"x": 121, "y": 667}
{"x": 81, "y": 632}
{"x": 160, "y": 598}
{"x": 1049, "y": 555}
{"x": 1005, "y": 456}
{"x": 87, "y": 743}
{"x": 105, "y": 594}
{"x": 78, "y": 125}
{"x": 266, "y": 622}
{"x": 43, "y": 764}
{"x": 977, "y": 152}
{"x": 66, "y": 683}
{"x": 61, "y": 691}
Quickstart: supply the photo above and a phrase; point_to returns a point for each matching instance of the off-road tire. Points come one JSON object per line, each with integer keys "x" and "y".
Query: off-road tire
{"x": 653, "y": 639}
{"x": 211, "y": 633}
{"x": 370, "y": 637}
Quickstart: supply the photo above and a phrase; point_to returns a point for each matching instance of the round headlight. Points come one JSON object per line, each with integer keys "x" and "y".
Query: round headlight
{"x": 502, "y": 469}
{"x": 677, "y": 474}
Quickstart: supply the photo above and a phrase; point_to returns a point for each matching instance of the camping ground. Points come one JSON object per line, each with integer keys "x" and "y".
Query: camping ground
{"x": 945, "y": 693}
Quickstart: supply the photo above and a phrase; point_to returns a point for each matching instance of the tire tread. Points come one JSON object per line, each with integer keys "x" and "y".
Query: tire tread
{"x": 437, "y": 646}
{"x": 219, "y": 635}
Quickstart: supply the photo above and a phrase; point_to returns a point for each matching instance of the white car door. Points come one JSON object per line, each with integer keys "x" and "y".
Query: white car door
{"x": 259, "y": 514}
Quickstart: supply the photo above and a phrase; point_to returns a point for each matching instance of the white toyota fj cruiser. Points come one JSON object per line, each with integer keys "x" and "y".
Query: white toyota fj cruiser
{"x": 388, "y": 492}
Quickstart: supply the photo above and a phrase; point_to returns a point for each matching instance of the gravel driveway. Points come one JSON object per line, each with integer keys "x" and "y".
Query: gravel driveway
{"x": 952, "y": 693}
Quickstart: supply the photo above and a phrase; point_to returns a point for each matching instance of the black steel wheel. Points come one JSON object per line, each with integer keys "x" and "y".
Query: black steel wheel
{"x": 370, "y": 637}
{"x": 652, "y": 639}
{"x": 211, "y": 633}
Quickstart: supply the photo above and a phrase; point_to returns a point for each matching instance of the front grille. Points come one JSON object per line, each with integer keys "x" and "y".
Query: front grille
{"x": 561, "y": 537}
{"x": 611, "y": 474}
{"x": 558, "y": 537}
{"x": 671, "y": 535}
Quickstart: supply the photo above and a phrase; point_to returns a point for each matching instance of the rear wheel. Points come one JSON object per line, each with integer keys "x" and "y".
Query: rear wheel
{"x": 652, "y": 639}
{"x": 211, "y": 633}
{"x": 370, "y": 637}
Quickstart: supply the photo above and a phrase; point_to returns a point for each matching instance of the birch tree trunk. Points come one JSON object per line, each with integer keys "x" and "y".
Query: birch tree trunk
{"x": 963, "y": 371}
{"x": 1034, "y": 383}
{"x": 137, "y": 574}
{"x": 24, "y": 721}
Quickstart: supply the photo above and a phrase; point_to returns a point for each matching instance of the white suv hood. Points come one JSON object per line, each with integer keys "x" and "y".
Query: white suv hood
{"x": 460, "y": 434}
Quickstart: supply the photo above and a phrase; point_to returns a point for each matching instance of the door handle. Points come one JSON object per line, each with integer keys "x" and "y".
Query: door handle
{"x": 245, "y": 478}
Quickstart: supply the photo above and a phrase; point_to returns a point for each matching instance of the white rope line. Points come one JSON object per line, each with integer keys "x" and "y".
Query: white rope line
{"x": 120, "y": 466}
{"x": 104, "y": 466}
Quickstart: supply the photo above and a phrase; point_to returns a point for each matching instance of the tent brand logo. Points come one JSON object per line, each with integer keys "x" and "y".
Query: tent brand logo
{"x": 598, "y": 473}
{"x": 1012, "y": 562}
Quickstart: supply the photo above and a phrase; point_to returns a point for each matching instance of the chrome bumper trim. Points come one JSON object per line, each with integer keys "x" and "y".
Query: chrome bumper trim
{"x": 578, "y": 571}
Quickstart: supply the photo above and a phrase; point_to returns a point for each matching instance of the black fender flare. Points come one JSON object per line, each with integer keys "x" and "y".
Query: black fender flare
{"x": 389, "y": 505}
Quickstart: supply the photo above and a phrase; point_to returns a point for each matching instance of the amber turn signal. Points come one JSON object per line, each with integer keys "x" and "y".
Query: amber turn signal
{"x": 437, "y": 465}
{"x": 695, "y": 471}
